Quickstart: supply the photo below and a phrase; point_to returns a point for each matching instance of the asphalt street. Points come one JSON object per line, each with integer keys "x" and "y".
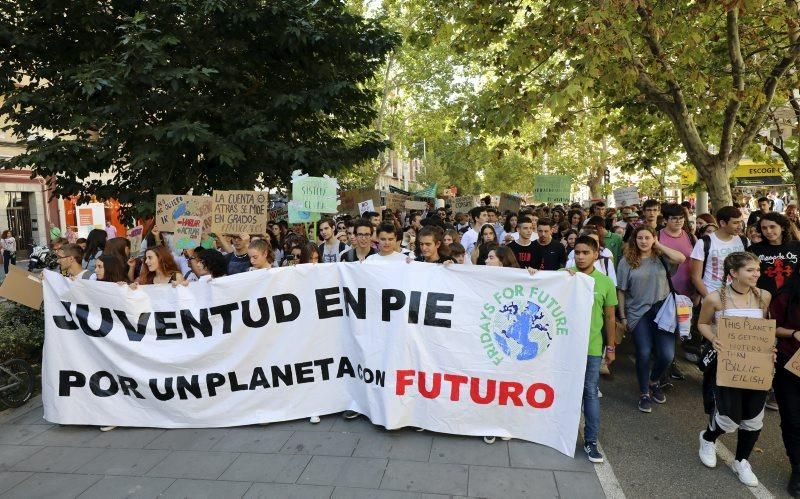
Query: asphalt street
{"x": 655, "y": 455}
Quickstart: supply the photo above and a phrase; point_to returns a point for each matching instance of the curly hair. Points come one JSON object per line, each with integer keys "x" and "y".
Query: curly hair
{"x": 788, "y": 230}
{"x": 632, "y": 253}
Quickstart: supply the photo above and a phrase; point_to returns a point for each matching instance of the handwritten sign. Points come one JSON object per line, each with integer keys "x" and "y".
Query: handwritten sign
{"x": 793, "y": 365}
{"x": 316, "y": 194}
{"x": 552, "y": 188}
{"x": 509, "y": 202}
{"x": 135, "y": 237}
{"x": 188, "y": 232}
{"x": 463, "y": 204}
{"x": 170, "y": 207}
{"x": 395, "y": 201}
{"x": 745, "y": 360}
{"x": 365, "y": 206}
{"x": 240, "y": 212}
{"x": 626, "y": 196}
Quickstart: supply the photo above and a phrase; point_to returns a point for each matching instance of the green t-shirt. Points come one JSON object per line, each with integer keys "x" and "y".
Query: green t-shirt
{"x": 614, "y": 243}
{"x": 605, "y": 295}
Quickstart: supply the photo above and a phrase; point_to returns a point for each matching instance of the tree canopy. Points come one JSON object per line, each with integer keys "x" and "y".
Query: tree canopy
{"x": 175, "y": 95}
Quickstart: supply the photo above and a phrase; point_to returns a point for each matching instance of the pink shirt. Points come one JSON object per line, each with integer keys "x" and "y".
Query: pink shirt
{"x": 682, "y": 279}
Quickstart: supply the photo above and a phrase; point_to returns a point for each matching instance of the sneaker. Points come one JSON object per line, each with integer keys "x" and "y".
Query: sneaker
{"x": 745, "y": 473}
{"x": 107, "y": 428}
{"x": 676, "y": 373}
{"x": 314, "y": 419}
{"x": 604, "y": 368}
{"x": 505, "y": 439}
{"x": 708, "y": 451}
{"x": 772, "y": 403}
{"x": 657, "y": 394}
{"x": 489, "y": 440}
{"x": 644, "y": 404}
{"x": 350, "y": 414}
{"x": 590, "y": 448}
{"x": 599, "y": 394}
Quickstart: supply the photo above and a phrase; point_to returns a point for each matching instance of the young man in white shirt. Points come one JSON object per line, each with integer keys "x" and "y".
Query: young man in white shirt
{"x": 387, "y": 246}
{"x": 478, "y": 216}
{"x": 707, "y": 275}
{"x": 69, "y": 259}
{"x": 331, "y": 247}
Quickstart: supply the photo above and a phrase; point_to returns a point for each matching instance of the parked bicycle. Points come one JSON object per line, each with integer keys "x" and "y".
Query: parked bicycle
{"x": 16, "y": 382}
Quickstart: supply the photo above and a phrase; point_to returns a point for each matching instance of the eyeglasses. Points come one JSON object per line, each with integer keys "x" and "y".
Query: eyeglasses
{"x": 362, "y": 234}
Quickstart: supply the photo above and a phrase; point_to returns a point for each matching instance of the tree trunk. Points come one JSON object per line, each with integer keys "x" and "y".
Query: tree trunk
{"x": 594, "y": 187}
{"x": 717, "y": 179}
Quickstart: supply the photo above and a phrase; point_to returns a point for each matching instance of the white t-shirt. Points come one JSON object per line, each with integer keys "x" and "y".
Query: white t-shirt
{"x": 717, "y": 252}
{"x": 469, "y": 240}
{"x": 599, "y": 264}
{"x": 394, "y": 257}
{"x": 9, "y": 244}
{"x": 331, "y": 254}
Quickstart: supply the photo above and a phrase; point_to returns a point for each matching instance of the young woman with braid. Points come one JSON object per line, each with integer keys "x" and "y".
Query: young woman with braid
{"x": 734, "y": 408}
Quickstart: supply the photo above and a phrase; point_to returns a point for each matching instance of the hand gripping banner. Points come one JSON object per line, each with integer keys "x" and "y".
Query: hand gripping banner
{"x": 464, "y": 350}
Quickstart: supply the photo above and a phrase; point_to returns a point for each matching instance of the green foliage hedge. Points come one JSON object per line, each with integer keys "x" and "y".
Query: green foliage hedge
{"x": 21, "y": 332}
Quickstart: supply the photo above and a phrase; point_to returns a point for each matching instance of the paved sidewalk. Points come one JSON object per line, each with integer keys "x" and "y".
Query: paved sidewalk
{"x": 333, "y": 459}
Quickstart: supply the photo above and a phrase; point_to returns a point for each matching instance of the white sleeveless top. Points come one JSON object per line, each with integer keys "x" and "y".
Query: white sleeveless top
{"x": 756, "y": 313}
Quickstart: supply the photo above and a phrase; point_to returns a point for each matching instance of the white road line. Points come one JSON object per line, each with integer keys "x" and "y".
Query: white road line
{"x": 760, "y": 491}
{"x": 608, "y": 480}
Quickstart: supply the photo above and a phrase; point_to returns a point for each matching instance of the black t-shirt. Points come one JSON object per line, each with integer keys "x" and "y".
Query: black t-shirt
{"x": 550, "y": 257}
{"x": 754, "y": 217}
{"x": 524, "y": 254}
{"x": 441, "y": 259}
{"x": 237, "y": 264}
{"x": 778, "y": 263}
{"x": 352, "y": 256}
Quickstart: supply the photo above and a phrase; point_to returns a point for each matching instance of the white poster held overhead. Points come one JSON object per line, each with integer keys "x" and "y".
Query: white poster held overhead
{"x": 404, "y": 344}
{"x": 626, "y": 196}
{"x": 365, "y": 206}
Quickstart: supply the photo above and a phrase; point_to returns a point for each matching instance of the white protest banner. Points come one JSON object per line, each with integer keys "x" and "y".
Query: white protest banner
{"x": 188, "y": 232}
{"x": 365, "y": 206}
{"x": 316, "y": 194}
{"x": 90, "y": 216}
{"x": 240, "y": 212}
{"x": 464, "y": 350}
{"x": 170, "y": 207}
{"x": 626, "y": 196}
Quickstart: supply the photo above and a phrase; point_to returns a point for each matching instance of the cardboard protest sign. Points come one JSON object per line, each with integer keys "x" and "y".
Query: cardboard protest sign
{"x": 552, "y": 188}
{"x": 745, "y": 360}
{"x": 316, "y": 194}
{"x": 135, "y": 237}
{"x": 188, "y": 232}
{"x": 170, "y": 207}
{"x": 464, "y": 203}
{"x": 626, "y": 196}
{"x": 395, "y": 201}
{"x": 240, "y": 212}
{"x": 299, "y": 216}
{"x": 365, "y": 206}
{"x": 416, "y": 205}
{"x": 22, "y": 287}
{"x": 793, "y": 365}
{"x": 509, "y": 202}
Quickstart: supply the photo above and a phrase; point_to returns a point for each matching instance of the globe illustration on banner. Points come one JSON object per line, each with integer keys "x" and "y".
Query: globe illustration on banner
{"x": 521, "y": 330}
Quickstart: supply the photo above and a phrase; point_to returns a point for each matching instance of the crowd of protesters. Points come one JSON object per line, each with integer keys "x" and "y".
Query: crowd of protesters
{"x": 635, "y": 254}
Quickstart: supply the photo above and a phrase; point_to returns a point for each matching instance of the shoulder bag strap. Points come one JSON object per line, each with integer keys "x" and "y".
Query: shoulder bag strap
{"x": 669, "y": 275}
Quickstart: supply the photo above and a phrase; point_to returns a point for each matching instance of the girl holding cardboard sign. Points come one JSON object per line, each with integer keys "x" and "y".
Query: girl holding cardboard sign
{"x": 735, "y": 408}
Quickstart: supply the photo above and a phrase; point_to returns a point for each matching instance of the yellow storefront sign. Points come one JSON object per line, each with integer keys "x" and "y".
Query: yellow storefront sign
{"x": 746, "y": 169}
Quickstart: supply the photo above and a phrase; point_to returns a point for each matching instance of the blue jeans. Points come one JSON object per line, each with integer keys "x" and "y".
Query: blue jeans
{"x": 591, "y": 404}
{"x": 648, "y": 339}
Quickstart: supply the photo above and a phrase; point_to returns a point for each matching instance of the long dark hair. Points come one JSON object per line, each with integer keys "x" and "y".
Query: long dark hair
{"x": 114, "y": 269}
{"x": 506, "y": 257}
{"x": 94, "y": 243}
{"x": 788, "y": 230}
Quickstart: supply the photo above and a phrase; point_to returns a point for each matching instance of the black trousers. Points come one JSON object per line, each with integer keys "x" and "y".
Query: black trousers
{"x": 787, "y": 392}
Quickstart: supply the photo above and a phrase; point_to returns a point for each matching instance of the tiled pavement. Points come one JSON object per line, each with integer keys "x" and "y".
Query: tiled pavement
{"x": 334, "y": 459}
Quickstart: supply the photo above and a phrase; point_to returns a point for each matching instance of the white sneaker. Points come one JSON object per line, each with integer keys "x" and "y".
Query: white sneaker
{"x": 489, "y": 440}
{"x": 599, "y": 394}
{"x": 314, "y": 419}
{"x": 107, "y": 428}
{"x": 708, "y": 452}
{"x": 745, "y": 473}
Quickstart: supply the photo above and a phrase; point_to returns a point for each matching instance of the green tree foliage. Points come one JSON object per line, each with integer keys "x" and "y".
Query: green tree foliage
{"x": 711, "y": 69}
{"x": 175, "y": 95}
